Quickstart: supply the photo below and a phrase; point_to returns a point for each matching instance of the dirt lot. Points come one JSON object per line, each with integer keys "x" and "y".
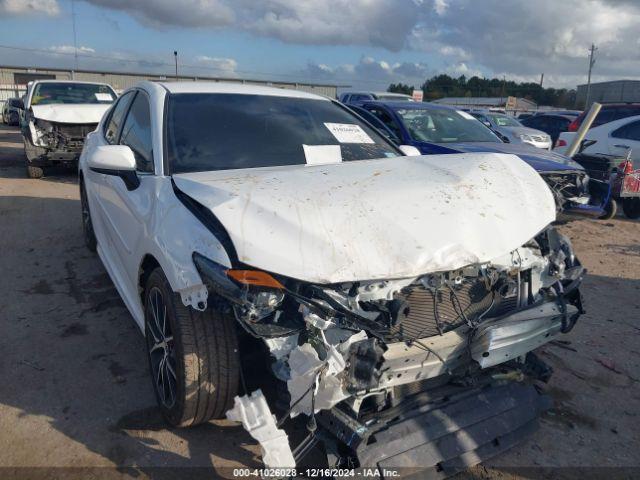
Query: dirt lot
{"x": 75, "y": 391}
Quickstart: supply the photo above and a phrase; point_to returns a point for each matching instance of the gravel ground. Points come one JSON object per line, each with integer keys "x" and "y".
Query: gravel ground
{"x": 76, "y": 393}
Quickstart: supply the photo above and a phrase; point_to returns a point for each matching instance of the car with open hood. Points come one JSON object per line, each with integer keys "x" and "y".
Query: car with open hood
{"x": 438, "y": 129}
{"x": 58, "y": 115}
{"x": 397, "y": 298}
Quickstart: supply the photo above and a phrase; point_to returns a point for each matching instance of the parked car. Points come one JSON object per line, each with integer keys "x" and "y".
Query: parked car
{"x": 11, "y": 111}
{"x": 376, "y": 283}
{"x": 612, "y": 138}
{"x": 552, "y": 124}
{"x": 58, "y": 116}
{"x": 608, "y": 113}
{"x": 511, "y": 130}
{"x": 356, "y": 98}
{"x": 439, "y": 129}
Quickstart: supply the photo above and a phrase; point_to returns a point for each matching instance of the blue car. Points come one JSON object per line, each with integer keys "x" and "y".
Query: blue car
{"x": 437, "y": 129}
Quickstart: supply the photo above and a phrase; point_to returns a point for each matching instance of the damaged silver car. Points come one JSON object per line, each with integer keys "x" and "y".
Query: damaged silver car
{"x": 398, "y": 299}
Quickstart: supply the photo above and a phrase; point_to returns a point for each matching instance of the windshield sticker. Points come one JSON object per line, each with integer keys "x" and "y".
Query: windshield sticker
{"x": 466, "y": 115}
{"x": 103, "y": 97}
{"x": 322, "y": 154}
{"x": 348, "y": 133}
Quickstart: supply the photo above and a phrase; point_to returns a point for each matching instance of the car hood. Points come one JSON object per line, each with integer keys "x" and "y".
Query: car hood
{"x": 376, "y": 219}
{"x": 66, "y": 113}
{"x": 541, "y": 160}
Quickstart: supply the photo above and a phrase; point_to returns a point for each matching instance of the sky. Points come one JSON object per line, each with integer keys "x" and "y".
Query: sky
{"x": 365, "y": 44}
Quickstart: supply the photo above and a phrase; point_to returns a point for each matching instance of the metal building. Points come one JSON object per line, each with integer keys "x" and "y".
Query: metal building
{"x": 616, "y": 91}
{"x": 13, "y": 80}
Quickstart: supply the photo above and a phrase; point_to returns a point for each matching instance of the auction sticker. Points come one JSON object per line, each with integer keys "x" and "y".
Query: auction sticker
{"x": 348, "y": 133}
{"x": 103, "y": 97}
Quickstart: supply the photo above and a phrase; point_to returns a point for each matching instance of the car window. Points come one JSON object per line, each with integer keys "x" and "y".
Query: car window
{"x": 72, "y": 93}
{"x": 388, "y": 121}
{"x": 375, "y": 121}
{"x": 631, "y": 131}
{"x": 534, "y": 122}
{"x": 444, "y": 126}
{"x": 503, "y": 120}
{"x": 136, "y": 133}
{"x": 112, "y": 126}
{"x": 217, "y": 131}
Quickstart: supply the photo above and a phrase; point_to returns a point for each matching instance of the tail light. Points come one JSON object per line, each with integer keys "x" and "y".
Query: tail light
{"x": 561, "y": 143}
{"x": 575, "y": 125}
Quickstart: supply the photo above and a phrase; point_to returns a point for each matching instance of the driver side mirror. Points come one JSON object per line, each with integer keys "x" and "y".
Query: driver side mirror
{"x": 410, "y": 150}
{"x": 115, "y": 160}
{"x": 486, "y": 123}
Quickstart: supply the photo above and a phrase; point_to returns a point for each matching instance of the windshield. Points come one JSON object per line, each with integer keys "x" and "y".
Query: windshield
{"x": 444, "y": 126}
{"x": 72, "y": 93}
{"x": 399, "y": 98}
{"x": 213, "y": 131}
{"x": 503, "y": 120}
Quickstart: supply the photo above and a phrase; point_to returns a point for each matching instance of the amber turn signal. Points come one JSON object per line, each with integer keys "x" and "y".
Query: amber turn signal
{"x": 255, "y": 277}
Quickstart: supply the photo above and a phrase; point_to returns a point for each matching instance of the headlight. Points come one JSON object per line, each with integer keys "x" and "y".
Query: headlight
{"x": 525, "y": 138}
{"x": 255, "y": 290}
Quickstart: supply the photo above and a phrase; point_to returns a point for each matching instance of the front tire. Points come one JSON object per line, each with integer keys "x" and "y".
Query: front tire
{"x": 34, "y": 172}
{"x": 193, "y": 356}
{"x": 610, "y": 210}
{"x": 631, "y": 208}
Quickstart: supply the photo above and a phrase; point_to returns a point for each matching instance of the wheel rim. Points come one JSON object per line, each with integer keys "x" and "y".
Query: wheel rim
{"x": 161, "y": 348}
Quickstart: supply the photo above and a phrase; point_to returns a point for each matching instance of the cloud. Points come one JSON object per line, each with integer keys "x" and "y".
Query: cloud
{"x": 217, "y": 65}
{"x": 70, "y": 50}
{"x": 368, "y": 74}
{"x": 29, "y": 7}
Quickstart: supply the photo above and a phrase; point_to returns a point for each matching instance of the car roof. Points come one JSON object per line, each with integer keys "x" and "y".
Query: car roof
{"x": 237, "y": 88}
{"x": 71, "y": 81}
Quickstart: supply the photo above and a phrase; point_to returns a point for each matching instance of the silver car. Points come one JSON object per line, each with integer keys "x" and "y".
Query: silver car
{"x": 513, "y": 130}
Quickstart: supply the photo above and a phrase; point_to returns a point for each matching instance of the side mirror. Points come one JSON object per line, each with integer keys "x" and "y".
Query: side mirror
{"x": 19, "y": 104}
{"x": 486, "y": 123}
{"x": 410, "y": 150}
{"x": 116, "y": 160}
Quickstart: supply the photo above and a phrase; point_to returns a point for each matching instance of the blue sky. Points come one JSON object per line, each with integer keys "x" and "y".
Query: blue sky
{"x": 364, "y": 43}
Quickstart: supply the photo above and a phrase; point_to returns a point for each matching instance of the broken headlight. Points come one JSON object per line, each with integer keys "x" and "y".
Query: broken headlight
{"x": 256, "y": 294}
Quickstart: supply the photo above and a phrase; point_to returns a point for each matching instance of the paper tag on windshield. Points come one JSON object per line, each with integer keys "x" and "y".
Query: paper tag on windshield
{"x": 348, "y": 133}
{"x": 322, "y": 154}
{"x": 466, "y": 115}
{"x": 103, "y": 97}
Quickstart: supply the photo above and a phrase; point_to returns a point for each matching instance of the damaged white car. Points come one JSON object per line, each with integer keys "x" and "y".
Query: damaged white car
{"x": 398, "y": 298}
{"x": 58, "y": 116}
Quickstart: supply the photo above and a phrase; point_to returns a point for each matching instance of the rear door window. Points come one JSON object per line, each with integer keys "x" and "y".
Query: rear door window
{"x": 630, "y": 131}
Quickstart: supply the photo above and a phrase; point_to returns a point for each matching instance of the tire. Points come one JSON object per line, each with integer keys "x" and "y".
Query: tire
{"x": 194, "y": 352}
{"x": 610, "y": 210}
{"x": 89, "y": 235}
{"x": 34, "y": 172}
{"x": 631, "y": 208}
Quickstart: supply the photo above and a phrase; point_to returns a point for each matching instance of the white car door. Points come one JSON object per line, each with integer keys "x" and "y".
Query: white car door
{"x": 125, "y": 208}
{"x": 624, "y": 138}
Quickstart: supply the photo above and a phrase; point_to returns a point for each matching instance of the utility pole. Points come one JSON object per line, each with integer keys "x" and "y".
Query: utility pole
{"x": 541, "y": 79}
{"x": 75, "y": 39}
{"x": 592, "y": 62}
{"x": 175, "y": 56}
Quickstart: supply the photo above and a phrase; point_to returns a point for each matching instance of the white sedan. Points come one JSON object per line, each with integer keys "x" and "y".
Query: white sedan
{"x": 224, "y": 211}
{"x": 613, "y": 138}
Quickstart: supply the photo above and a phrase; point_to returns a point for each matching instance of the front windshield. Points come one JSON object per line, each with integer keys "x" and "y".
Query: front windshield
{"x": 444, "y": 126}
{"x": 214, "y": 131}
{"x": 72, "y": 93}
{"x": 398, "y": 98}
{"x": 503, "y": 120}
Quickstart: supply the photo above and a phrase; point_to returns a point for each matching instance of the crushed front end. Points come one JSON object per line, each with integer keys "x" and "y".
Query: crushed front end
{"x": 432, "y": 372}
{"x": 48, "y": 142}
{"x": 577, "y": 194}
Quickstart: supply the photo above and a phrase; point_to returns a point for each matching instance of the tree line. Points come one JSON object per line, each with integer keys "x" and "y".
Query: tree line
{"x": 444, "y": 85}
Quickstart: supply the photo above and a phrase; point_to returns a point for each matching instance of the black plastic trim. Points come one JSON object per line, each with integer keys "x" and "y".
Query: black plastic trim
{"x": 129, "y": 177}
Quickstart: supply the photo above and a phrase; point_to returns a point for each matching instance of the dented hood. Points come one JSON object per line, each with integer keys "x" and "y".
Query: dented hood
{"x": 376, "y": 219}
{"x": 69, "y": 113}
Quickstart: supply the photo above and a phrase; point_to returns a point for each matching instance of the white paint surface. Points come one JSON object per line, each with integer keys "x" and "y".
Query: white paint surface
{"x": 68, "y": 113}
{"x": 377, "y": 219}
